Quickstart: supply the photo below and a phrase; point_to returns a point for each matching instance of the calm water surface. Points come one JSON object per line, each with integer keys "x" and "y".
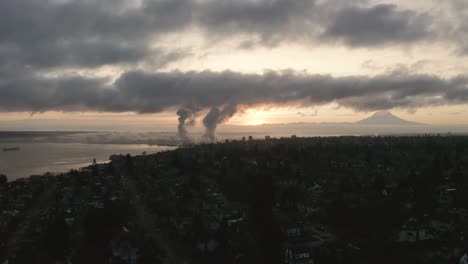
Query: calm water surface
{"x": 39, "y": 158}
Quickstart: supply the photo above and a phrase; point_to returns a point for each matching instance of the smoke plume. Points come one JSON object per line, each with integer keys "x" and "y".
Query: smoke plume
{"x": 185, "y": 119}
{"x": 214, "y": 117}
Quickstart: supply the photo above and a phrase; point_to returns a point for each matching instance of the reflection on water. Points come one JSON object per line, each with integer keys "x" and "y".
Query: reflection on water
{"x": 39, "y": 158}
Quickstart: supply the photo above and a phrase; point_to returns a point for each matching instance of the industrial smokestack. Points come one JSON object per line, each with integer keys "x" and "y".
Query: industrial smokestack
{"x": 215, "y": 117}
{"x": 185, "y": 119}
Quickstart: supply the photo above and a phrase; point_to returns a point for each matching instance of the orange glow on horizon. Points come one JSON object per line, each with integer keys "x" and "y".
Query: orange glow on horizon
{"x": 254, "y": 122}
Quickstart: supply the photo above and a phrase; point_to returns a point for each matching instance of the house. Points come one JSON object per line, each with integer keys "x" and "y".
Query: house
{"x": 207, "y": 246}
{"x": 409, "y": 232}
{"x": 413, "y": 232}
{"x": 294, "y": 230}
{"x": 124, "y": 253}
{"x": 445, "y": 195}
{"x": 298, "y": 256}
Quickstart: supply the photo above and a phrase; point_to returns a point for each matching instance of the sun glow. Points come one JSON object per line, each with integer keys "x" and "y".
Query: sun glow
{"x": 254, "y": 122}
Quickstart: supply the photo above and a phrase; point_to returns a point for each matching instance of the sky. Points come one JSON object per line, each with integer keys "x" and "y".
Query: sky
{"x": 170, "y": 64}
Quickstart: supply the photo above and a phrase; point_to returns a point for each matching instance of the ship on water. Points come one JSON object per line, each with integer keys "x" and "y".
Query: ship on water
{"x": 11, "y": 149}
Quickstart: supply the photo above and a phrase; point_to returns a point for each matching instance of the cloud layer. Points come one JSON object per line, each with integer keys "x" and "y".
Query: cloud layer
{"x": 40, "y": 38}
{"x": 377, "y": 25}
{"x": 91, "y": 33}
{"x": 155, "y": 92}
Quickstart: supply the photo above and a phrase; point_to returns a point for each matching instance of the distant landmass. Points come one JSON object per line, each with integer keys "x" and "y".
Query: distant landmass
{"x": 379, "y": 123}
{"x": 11, "y": 149}
{"x": 386, "y": 118}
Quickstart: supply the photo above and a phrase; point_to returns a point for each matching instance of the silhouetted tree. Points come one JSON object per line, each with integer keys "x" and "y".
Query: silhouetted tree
{"x": 262, "y": 218}
{"x": 110, "y": 169}
{"x": 128, "y": 163}
{"x": 459, "y": 151}
{"x": 56, "y": 240}
{"x": 3, "y": 179}
{"x": 95, "y": 168}
{"x": 151, "y": 252}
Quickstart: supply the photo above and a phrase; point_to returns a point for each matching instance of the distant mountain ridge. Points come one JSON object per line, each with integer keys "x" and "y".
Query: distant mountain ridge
{"x": 382, "y": 118}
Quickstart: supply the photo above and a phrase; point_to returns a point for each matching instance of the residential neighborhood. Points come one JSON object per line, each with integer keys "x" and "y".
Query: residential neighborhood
{"x": 288, "y": 200}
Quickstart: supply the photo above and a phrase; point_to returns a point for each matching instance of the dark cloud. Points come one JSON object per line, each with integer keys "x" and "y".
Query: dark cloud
{"x": 376, "y": 25}
{"x": 458, "y": 27}
{"x": 91, "y": 33}
{"x": 272, "y": 21}
{"x": 275, "y": 21}
{"x": 31, "y": 93}
{"x": 154, "y": 92}
{"x": 86, "y": 33}
{"x": 87, "y": 54}
{"x": 225, "y": 93}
